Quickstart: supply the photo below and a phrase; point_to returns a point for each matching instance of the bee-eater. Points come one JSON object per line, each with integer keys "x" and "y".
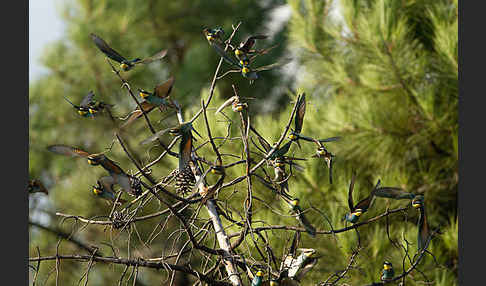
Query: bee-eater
{"x": 125, "y": 64}
{"x": 89, "y": 107}
{"x": 121, "y": 178}
{"x": 302, "y": 218}
{"x": 423, "y": 227}
{"x": 388, "y": 272}
{"x": 257, "y": 280}
{"x": 104, "y": 189}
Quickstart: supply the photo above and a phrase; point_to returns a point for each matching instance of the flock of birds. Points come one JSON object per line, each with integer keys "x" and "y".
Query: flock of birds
{"x": 294, "y": 266}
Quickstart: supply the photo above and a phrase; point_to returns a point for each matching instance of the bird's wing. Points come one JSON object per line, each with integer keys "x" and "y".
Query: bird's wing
{"x": 225, "y": 56}
{"x": 282, "y": 150}
{"x": 272, "y": 66}
{"x": 87, "y": 99}
{"x": 185, "y": 150}
{"x": 68, "y": 151}
{"x": 250, "y": 42}
{"x": 350, "y": 192}
{"x": 146, "y": 107}
{"x": 299, "y": 117}
{"x": 106, "y": 49}
{"x": 155, "y": 136}
{"x": 423, "y": 232}
{"x": 329, "y": 139}
{"x": 393, "y": 193}
{"x": 264, "y": 144}
{"x": 163, "y": 90}
{"x": 158, "y": 56}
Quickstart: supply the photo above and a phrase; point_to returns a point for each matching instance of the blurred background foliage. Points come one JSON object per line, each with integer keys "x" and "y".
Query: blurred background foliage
{"x": 381, "y": 74}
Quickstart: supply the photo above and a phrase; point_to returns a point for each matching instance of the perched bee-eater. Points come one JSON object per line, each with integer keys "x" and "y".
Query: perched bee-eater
{"x": 125, "y": 64}
{"x": 290, "y": 257}
{"x": 388, "y": 272}
{"x": 257, "y": 280}
{"x": 302, "y": 218}
{"x": 104, "y": 189}
{"x": 423, "y": 227}
{"x": 235, "y": 103}
{"x": 121, "y": 178}
{"x": 217, "y": 170}
{"x": 214, "y": 35}
{"x": 303, "y": 264}
{"x": 36, "y": 186}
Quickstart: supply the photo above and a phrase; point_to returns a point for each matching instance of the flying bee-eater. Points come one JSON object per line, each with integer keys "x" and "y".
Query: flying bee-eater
{"x": 181, "y": 129}
{"x": 298, "y": 120}
{"x": 88, "y": 107}
{"x": 394, "y": 193}
{"x": 423, "y": 227}
{"x": 184, "y": 176}
{"x": 328, "y": 159}
{"x": 322, "y": 152}
{"x": 185, "y": 179}
{"x": 160, "y": 96}
{"x": 388, "y": 272}
{"x": 104, "y": 189}
{"x": 98, "y": 159}
{"x": 302, "y": 218}
{"x": 245, "y": 47}
{"x": 362, "y": 206}
{"x": 36, "y": 186}
{"x": 125, "y": 64}
{"x": 243, "y": 66}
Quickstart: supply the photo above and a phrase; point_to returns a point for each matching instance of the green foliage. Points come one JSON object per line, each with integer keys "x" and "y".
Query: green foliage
{"x": 380, "y": 74}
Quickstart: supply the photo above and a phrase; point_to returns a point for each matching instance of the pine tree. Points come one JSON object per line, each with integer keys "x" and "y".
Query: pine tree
{"x": 384, "y": 76}
{"x": 380, "y": 74}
